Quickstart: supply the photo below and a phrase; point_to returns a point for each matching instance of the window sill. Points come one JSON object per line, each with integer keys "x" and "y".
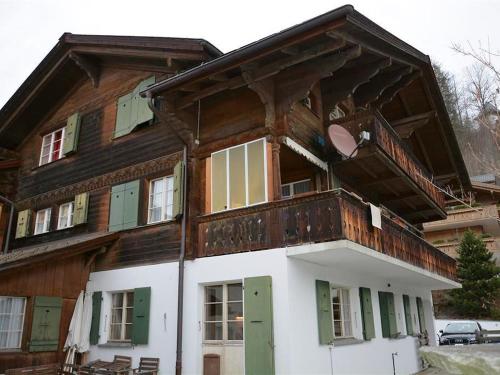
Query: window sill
{"x": 7, "y": 350}
{"x": 223, "y": 343}
{"x": 145, "y": 226}
{"x": 347, "y": 341}
{"x": 116, "y": 344}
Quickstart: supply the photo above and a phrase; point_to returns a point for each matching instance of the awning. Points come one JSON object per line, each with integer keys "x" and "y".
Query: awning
{"x": 305, "y": 153}
{"x": 67, "y": 247}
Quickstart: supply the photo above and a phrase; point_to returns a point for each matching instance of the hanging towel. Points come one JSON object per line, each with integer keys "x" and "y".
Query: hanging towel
{"x": 376, "y": 216}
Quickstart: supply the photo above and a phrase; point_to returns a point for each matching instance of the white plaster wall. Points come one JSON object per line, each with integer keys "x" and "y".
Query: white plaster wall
{"x": 162, "y": 279}
{"x": 297, "y": 350}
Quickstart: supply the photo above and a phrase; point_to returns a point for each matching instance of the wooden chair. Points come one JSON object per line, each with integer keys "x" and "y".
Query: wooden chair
{"x": 124, "y": 360}
{"x": 51, "y": 369}
{"x": 148, "y": 366}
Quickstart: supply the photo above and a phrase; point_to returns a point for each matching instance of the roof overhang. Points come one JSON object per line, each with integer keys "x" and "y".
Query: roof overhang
{"x": 72, "y": 246}
{"x": 406, "y": 100}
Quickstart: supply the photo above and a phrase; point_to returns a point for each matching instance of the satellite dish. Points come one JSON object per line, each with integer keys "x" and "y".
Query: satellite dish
{"x": 343, "y": 141}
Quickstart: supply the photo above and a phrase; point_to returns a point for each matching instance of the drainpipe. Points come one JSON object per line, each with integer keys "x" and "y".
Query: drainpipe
{"x": 182, "y": 255}
{"x": 9, "y": 226}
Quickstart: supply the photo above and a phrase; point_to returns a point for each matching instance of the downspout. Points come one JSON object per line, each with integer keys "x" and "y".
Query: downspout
{"x": 9, "y": 226}
{"x": 182, "y": 255}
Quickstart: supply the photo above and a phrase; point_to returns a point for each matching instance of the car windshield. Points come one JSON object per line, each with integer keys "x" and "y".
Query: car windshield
{"x": 460, "y": 328}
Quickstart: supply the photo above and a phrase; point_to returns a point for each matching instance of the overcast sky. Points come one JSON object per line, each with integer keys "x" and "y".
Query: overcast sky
{"x": 30, "y": 28}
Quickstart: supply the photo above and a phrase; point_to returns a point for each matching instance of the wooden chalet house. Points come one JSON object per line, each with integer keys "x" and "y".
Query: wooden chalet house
{"x": 291, "y": 257}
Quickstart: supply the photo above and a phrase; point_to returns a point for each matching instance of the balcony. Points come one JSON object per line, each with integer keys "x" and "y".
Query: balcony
{"x": 317, "y": 218}
{"x": 386, "y": 171}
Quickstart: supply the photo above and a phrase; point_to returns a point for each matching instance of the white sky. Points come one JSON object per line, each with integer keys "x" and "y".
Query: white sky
{"x": 30, "y": 28}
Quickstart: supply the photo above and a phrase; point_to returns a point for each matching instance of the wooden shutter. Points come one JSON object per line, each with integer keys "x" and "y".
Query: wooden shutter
{"x": 421, "y": 315}
{"x": 45, "y": 326}
{"x": 116, "y": 208}
{"x": 367, "y": 313}
{"x": 96, "y": 318}
{"x": 324, "y": 307}
{"x": 23, "y": 223}
{"x": 407, "y": 308}
{"x": 131, "y": 204}
{"x": 387, "y": 314}
{"x": 140, "y": 326}
{"x": 123, "y": 111}
{"x": 71, "y": 133}
{"x": 81, "y": 205}
{"x": 259, "y": 342}
{"x": 178, "y": 189}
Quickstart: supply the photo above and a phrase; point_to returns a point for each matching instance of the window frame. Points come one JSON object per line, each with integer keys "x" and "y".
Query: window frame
{"x": 290, "y": 184}
{"x": 342, "y": 321}
{"x": 123, "y": 323}
{"x": 228, "y": 176}
{"x": 164, "y": 207}
{"x": 51, "y": 146}
{"x": 9, "y": 331}
{"x": 69, "y": 218}
{"x": 46, "y": 222}
{"x": 225, "y": 319}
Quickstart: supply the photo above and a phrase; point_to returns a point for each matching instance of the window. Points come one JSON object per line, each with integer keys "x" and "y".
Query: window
{"x": 239, "y": 176}
{"x": 52, "y": 147}
{"x": 341, "y": 313}
{"x": 294, "y": 188}
{"x": 65, "y": 215}
{"x": 122, "y": 313}
{"x": 224, "y": 312}
{"x": 161, "y": 193}
{"x": 11, "y": 322}
{"x": 42, "y": 221}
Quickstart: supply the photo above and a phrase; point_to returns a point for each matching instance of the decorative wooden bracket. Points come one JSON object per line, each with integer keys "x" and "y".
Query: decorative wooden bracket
{"x": 88, "y": 66}
{"x": 265, "y": 90}
{"x": 391, "y": 91}
{"x": 371, "y": 91}
{"x": 406, "y": 126}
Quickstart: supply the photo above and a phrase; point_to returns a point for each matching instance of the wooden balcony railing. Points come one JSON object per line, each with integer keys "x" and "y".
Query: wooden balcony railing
{"x": 319, "y": 217}
{"x": 385, "y": 141}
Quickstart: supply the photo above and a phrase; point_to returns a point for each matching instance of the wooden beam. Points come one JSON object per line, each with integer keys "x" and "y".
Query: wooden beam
{"x": 88, "y": 65}
{"x": 220, "y": 77}
{"x": 389, "y": 93}
{"x": 407, "y": 125}
{"x": 232, "y": 83}
{"x": 291, "y": 50}
{"x": 265, "y": 90}
{"x": 371, "y": 91}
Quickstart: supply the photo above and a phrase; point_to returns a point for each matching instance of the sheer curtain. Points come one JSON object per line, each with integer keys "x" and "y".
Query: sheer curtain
{"x": 11, "y": 322}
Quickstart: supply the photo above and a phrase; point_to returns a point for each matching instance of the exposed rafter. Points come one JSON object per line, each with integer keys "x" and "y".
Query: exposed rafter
{"x": 389, "y": 93}
{"x": 407, "y": 125}
{"x": 89, "y": 66}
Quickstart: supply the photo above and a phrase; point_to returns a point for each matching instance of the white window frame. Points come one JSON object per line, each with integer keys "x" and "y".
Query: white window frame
{"x": 51, "y": 148}
{"x": 225, "y": 319}
{"x": 46, "y": 222}
{"x": 123, "y": 323}
{"x": 69, "y": 219}
{"x": 342, "y": 315}
{"x": 10, "y": 330}
{"x": 228, "y": 176}
{"x": 168, "y": 199}
{"x": 291, "y": 184}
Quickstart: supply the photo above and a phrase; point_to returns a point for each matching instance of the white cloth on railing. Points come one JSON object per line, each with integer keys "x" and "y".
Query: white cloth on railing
{"x": 376, "y": 216}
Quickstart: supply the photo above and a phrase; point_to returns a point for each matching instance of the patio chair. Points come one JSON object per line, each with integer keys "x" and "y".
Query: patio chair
{"x": 122, "y": 359}
{"x": 148, "y": 366}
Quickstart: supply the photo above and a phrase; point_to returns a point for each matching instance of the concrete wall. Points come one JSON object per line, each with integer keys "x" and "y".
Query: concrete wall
{"x": 162, "y": 279}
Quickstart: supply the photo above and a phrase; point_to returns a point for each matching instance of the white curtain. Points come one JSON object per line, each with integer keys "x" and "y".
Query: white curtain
{"x": 11, "y": 322}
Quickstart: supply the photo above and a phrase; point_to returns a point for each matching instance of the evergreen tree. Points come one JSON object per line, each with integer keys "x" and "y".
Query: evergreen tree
{"x": 479, "y": 276}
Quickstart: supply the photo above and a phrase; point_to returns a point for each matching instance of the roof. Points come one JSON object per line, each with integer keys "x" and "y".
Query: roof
{"x": 67, "y": 247}
{"x": 485, "y": 178}
{"x": 59, "y": 71}
{"x": 356, "y": 27}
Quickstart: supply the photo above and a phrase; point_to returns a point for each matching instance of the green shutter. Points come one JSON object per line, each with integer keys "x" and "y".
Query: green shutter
{"x": 116, "y": 208}
{"x": 45, "y": 326}
{"x": 367, "y": 313}
{"x": 71, "y": 133}
{"x": 407, "y": 308}
{"x": 259, "y": 342}
{"x": 96, "y": 318}
{"x": 123, "y": 111}
{"x": 23, "y": 223}
{"x": 178, "y": 190}
{"x": 421, "y": 315}
{"x": 133, "y": 110}
{"x": 131, "y": 204}
{"x": 140, "y": 327}
{"x": 324, "y": 307}
{"x": 387, "y": 314}
{"x": 81, "y": 205}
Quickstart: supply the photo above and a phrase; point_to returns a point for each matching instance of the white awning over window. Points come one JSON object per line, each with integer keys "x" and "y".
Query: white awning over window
{"x": 305, "y": 153}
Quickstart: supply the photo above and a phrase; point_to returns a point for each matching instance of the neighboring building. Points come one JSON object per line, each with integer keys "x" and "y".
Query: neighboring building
{"x": 482, "y": 218}
{"x": 298, "y": 260}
